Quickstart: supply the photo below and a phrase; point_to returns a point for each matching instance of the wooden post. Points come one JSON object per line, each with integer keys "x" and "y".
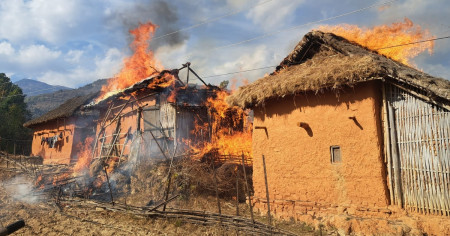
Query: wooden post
{"x": 248, "y": 190}
{"x": 387, "y": 144}
{"x": 7, "y": 155}
{"x": 395, "y": 157}
{"x": 109, "y": 186}
{"x": 217, "y": 189}
{"x": 237, "y": 192}
{"x": 169, "y": 176}
{"x": 267, "y": 190}
{"x": 157, "y": 144}
{"x": 187, "y": 75}
{"x": 14, "y": 153}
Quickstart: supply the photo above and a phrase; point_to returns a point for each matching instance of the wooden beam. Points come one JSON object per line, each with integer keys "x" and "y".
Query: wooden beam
{"x": 387, "y": 143}
{"x": 395, "y": 157}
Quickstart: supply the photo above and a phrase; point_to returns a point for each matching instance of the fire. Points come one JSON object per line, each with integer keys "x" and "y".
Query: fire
{"x": 231, "y": 134}
{"x": 139, "y": 66}
{"x": 84, "y": 156}
{"x": 39, "y": 182}
{"x": 383, "y": 36}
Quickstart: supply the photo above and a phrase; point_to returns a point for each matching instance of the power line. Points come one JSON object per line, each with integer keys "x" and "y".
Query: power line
{"x": 305, "y": 24}
{"x": 422, "y": 41}
{"x": 212, "y": 20}
{"x": 237, "y": 72}
{"x": 266, "y": 67}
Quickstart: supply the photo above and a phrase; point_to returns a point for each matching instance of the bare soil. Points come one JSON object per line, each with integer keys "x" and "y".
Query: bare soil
{"x": 43, "y": 217}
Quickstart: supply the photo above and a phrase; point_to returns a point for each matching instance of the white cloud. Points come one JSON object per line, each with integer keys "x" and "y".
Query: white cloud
{"x": 109, "y": 65}
{"x": 36, "y": 55}
{"x": 50, "y": 21}
{"x": 6, "y": 49}
{"x": 274, "y": 14}
{"x": 73, "y": 56}
{"x": 105, "y": 66}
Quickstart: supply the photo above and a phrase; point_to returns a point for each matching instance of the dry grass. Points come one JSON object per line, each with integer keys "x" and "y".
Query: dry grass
{"x": 325, "y": 61}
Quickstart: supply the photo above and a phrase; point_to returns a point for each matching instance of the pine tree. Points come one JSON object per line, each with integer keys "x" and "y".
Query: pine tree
{"x": 13, "y": 112}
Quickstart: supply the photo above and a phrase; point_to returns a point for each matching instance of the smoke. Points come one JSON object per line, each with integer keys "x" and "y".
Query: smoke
{"x": 162, "y": 13}
{"x": 21, "y": 189}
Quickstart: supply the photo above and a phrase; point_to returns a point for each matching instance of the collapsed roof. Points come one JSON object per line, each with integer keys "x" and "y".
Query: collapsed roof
{"x": 67, "y": 109}
{"x": 159, "y": 82}
{"x": 325, "y": 61}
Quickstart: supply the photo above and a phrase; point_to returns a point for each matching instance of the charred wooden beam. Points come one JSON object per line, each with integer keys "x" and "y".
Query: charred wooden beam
{"x": 193, "y": 72}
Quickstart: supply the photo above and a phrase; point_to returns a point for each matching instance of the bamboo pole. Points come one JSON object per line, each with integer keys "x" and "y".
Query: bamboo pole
{"x": 439, "y": 163}
{"x": 248, "y": 189}
{"x": 395, "y": 157}
{"x": 387, "y": 143}
{"x": 169, "y": 177}
{"x": 418, "y": 192}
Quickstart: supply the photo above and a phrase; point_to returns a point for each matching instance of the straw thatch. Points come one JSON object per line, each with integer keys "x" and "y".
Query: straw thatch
{"x": 155, "y": 80}
{"x": 65, "y": 110}
{"x": 326, "y": 61}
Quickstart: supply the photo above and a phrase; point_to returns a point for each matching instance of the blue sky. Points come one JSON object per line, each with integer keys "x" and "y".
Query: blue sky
{"x": 75, "y": 42}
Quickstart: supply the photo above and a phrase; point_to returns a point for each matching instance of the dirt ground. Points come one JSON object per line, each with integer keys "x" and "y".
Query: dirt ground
{"x": 43, "y": 217}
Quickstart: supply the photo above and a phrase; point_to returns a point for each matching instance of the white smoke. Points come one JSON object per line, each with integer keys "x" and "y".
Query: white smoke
{"x": 21, "y": 189}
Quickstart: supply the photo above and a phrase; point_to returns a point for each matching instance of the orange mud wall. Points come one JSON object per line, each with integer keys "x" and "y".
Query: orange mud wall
{"x": 62, "y": 152}
{"x": 301, "y": 178}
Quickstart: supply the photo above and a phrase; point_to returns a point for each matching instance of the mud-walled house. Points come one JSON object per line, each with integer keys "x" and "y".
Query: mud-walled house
{"x": 57, "y": 133}
{"x": 154, "y": 117}
{"x": 342, "y": 127}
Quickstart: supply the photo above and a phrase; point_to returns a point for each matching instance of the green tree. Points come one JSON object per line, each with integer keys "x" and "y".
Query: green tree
{"x": 13, "y": 112}
{"x": 224, "y": 84}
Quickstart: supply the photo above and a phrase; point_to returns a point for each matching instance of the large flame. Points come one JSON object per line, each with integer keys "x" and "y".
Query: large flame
{"x": 84, "y": 155}
{"x": 139, "y": 66}
{"x": 379, "y": 38}
{"x": 231, "y": 132}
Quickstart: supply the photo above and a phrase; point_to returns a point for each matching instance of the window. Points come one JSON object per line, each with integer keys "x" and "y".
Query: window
{"x": 335, "y": 154}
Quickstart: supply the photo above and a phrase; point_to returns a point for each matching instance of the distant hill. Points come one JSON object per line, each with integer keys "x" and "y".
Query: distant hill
{"x": 33, "y": 87}
{"x": 40, "y": 104}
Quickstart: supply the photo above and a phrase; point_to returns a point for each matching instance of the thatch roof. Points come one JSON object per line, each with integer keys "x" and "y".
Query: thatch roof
{"x": 155, "y": 80}
{"x": 158, "y": 83}
{"x": 67, "y": 109}
{"x": 325, "y": 61}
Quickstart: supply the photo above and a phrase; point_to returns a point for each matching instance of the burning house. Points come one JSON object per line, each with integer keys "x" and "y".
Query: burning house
{"x": 155, "y": 117}
{"x": 57, "y": 133}
{"x": 343, "y": 127}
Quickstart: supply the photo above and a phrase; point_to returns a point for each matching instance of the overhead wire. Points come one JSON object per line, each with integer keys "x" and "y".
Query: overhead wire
{"x": 211, "y": 20}
{"x": 267, "y": 67}
{"x": 301, "y": 25}
{"x": 422, "y": 41}
{"x": 393, "y": 46}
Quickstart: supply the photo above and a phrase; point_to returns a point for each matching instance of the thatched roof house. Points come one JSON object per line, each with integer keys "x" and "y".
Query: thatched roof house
{"x": 65, "y": 110}
{"x": 57, "y": 132}
{"x": 323, "y": 61}
{"x": 341, "y": 125}
{"x": 155, "y": 115}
